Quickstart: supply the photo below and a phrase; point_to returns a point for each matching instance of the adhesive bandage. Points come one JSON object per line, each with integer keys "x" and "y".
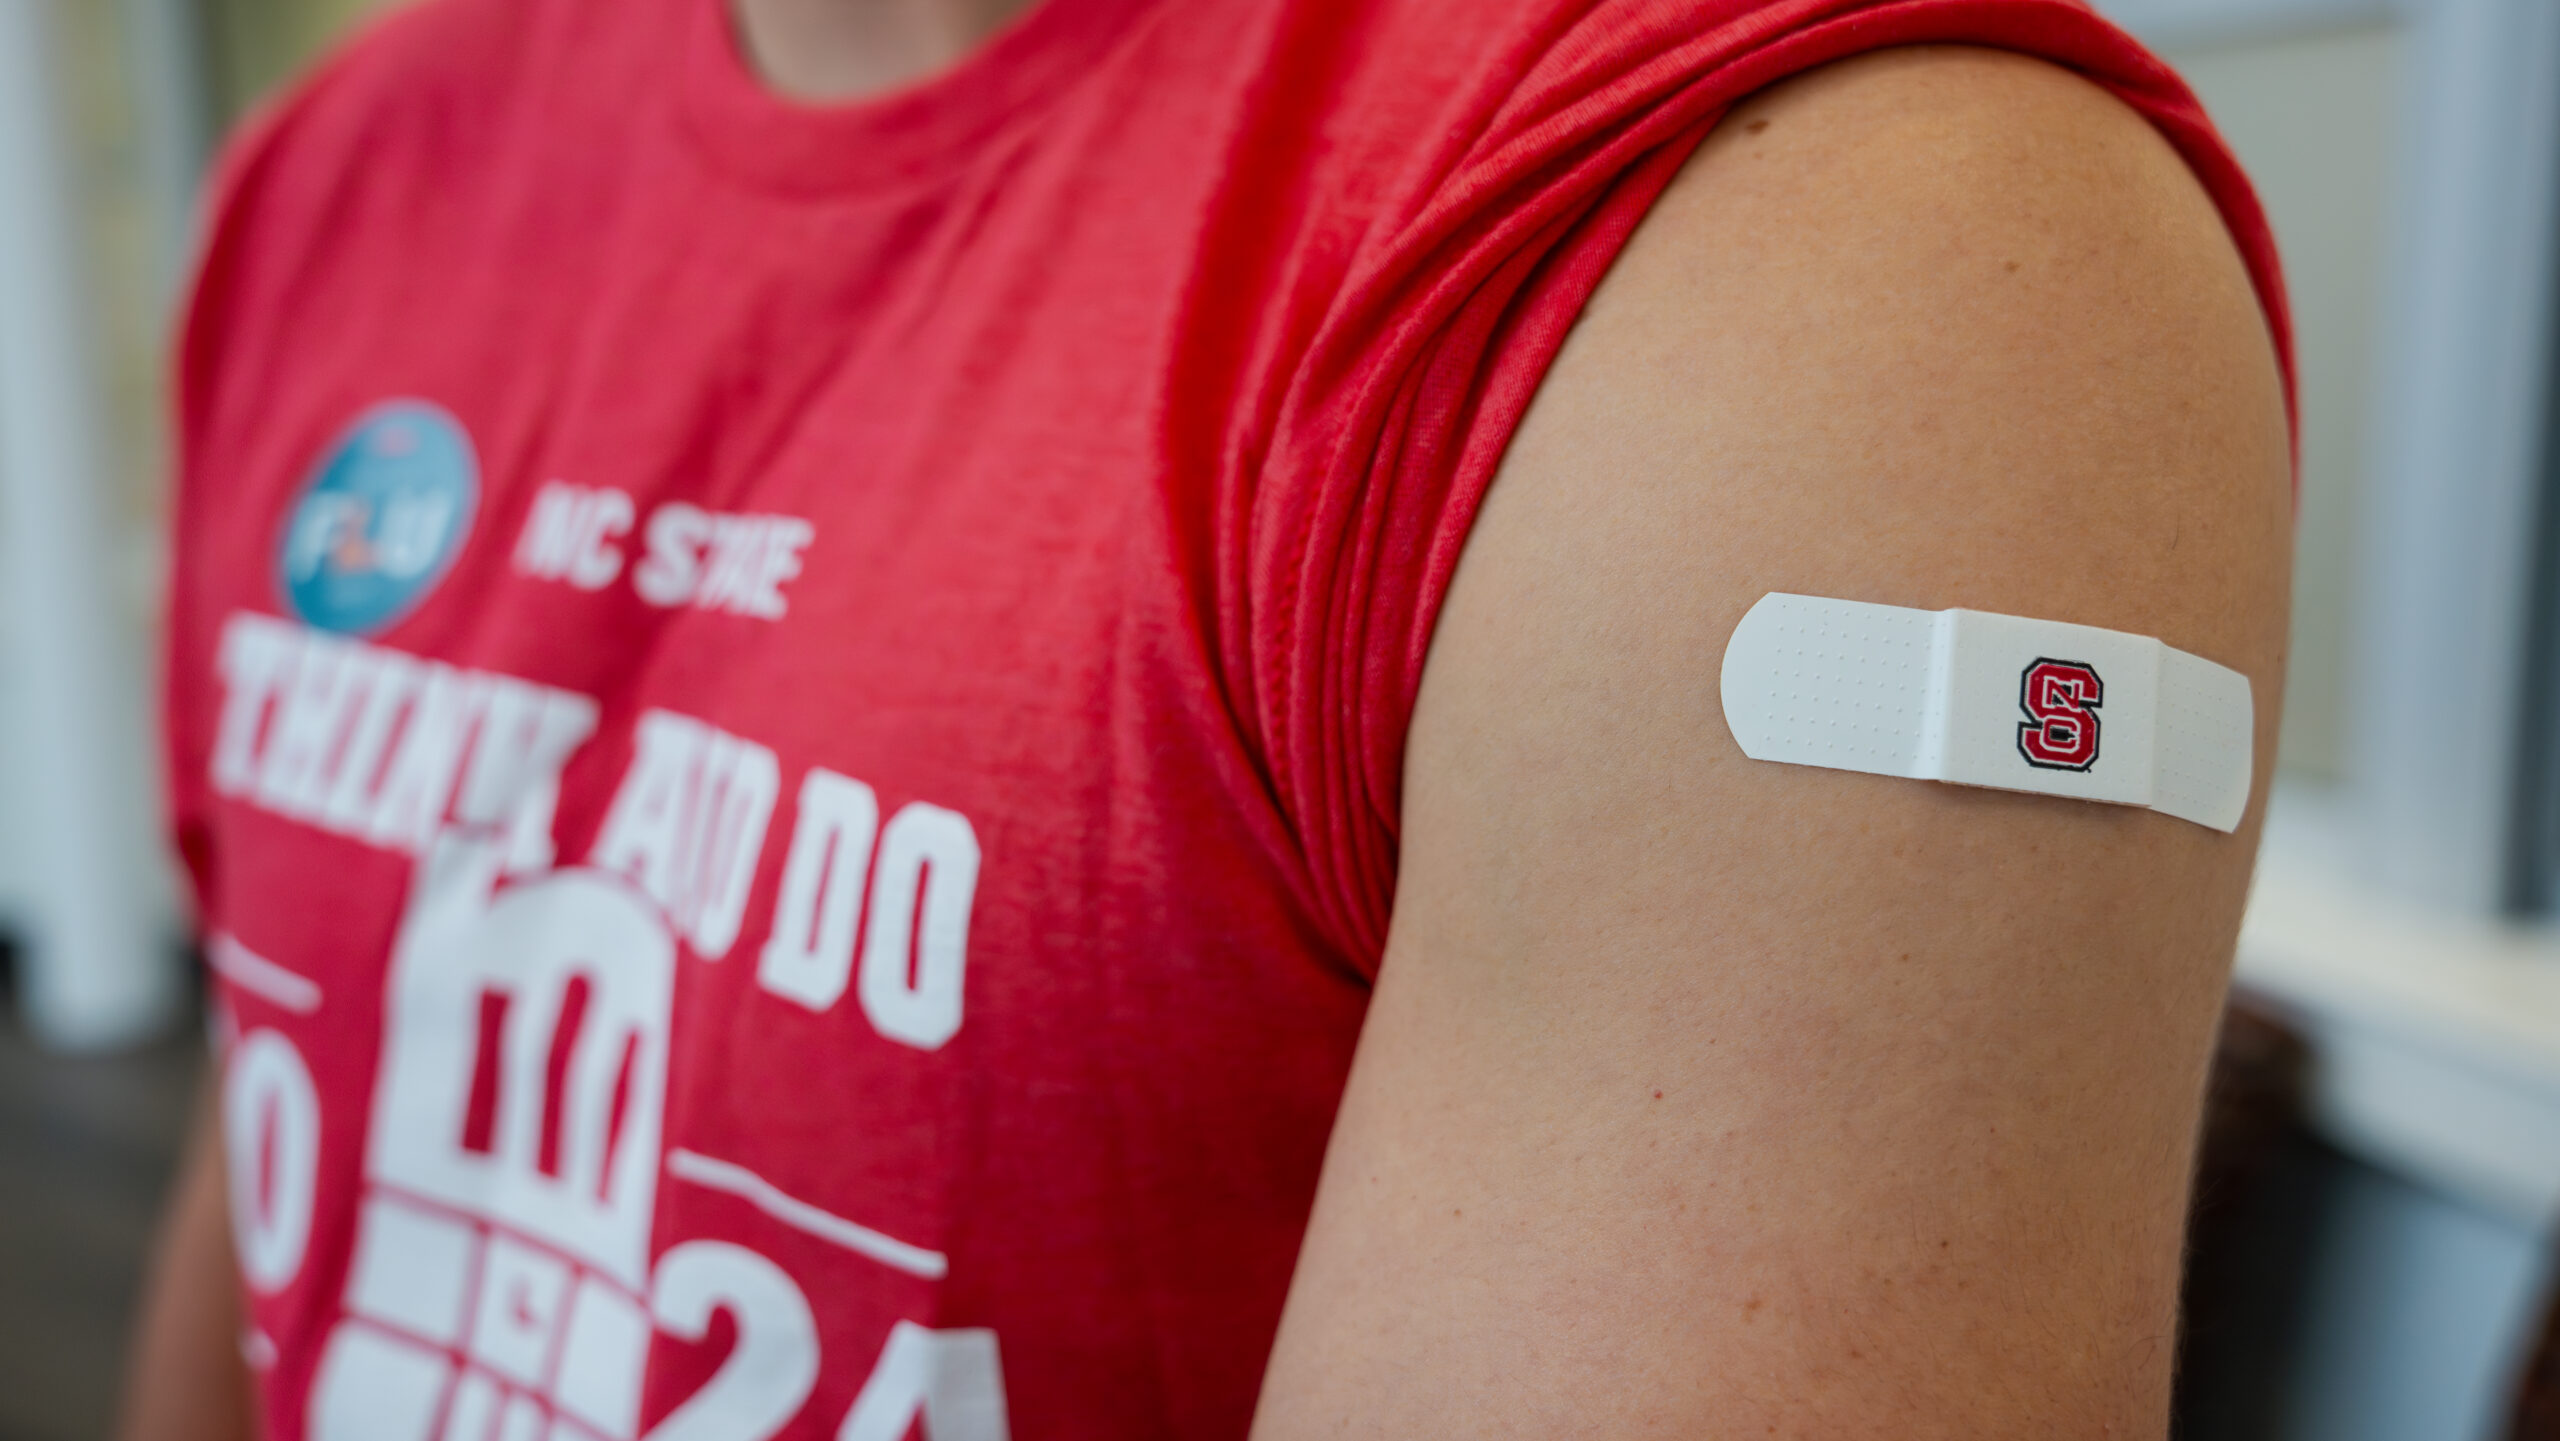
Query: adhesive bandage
{"x": 1990, "y": 700}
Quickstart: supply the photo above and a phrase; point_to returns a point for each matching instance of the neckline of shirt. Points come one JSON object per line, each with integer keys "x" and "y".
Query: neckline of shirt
{"x": 893, "y": 141}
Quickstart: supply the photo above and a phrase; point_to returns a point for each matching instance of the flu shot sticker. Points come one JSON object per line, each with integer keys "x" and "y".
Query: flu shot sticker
{"x": 380, "y": 520}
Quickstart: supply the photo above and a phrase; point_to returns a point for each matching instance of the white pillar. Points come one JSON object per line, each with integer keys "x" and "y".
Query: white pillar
{"x": 165, "y": 55}
{"x": 2458, "y": 469}
{"x": 97, "y": 970}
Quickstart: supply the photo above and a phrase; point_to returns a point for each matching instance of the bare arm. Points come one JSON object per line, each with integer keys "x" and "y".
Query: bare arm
{"x": 1707, "y": 1097}
{"x": 184, "y": 1380}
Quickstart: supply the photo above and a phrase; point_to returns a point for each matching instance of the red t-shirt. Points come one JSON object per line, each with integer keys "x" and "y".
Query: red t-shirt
{"x": 787, "y": 719}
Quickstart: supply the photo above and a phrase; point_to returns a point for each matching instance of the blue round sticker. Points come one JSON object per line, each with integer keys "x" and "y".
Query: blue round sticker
{"x": 380, "y": 521}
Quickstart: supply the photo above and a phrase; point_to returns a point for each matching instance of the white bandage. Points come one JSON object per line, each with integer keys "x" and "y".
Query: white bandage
{"x": 1990, "y": 700}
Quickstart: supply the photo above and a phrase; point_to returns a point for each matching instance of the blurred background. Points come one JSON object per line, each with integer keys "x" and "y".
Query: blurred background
{"x": 2373, "y": 1257}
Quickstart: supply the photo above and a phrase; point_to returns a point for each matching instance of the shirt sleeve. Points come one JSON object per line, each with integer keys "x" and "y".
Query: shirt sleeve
{"x": 1396, "y": 410}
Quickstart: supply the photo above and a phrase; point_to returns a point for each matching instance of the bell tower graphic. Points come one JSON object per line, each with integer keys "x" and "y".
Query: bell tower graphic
{"x": 498, "y": 1286}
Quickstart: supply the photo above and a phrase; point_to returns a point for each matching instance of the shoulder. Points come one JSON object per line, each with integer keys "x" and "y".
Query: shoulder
{"x": 1911, "y": 1067}
{"x": 1882, "y": 156}
{"x": 1961, "y": 288}
{"x": 393, "y": 136}
{"x": 1930, "y": 328}
{"x": 421, "y": 95}
{"x": 407, "y": 61}
{"x": 1935, "y": 328}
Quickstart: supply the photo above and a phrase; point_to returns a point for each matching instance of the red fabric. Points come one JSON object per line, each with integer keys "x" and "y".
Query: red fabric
{"x": 1135, "y": 386}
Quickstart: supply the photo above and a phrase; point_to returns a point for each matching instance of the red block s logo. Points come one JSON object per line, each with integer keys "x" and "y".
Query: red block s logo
{"x": 2061, "y": 699}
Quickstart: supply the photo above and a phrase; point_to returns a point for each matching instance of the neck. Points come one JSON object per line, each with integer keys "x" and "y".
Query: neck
{"x": 839, "y": 50}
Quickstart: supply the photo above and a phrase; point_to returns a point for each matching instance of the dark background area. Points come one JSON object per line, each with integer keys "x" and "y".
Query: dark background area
{"x": 87, "y": 1146}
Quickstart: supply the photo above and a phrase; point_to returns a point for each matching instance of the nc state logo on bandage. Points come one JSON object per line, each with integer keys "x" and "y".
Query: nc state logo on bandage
{"x": 1974, "y": 698}
{"x": 2061, "y": 699}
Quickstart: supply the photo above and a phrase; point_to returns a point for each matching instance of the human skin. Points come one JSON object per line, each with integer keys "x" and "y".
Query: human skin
{"x": 1707, "y": 1097}
{"x": 184, "y": 1379}
{"x": 1702, "y": 1097}
{"x": 831, "y": 51}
